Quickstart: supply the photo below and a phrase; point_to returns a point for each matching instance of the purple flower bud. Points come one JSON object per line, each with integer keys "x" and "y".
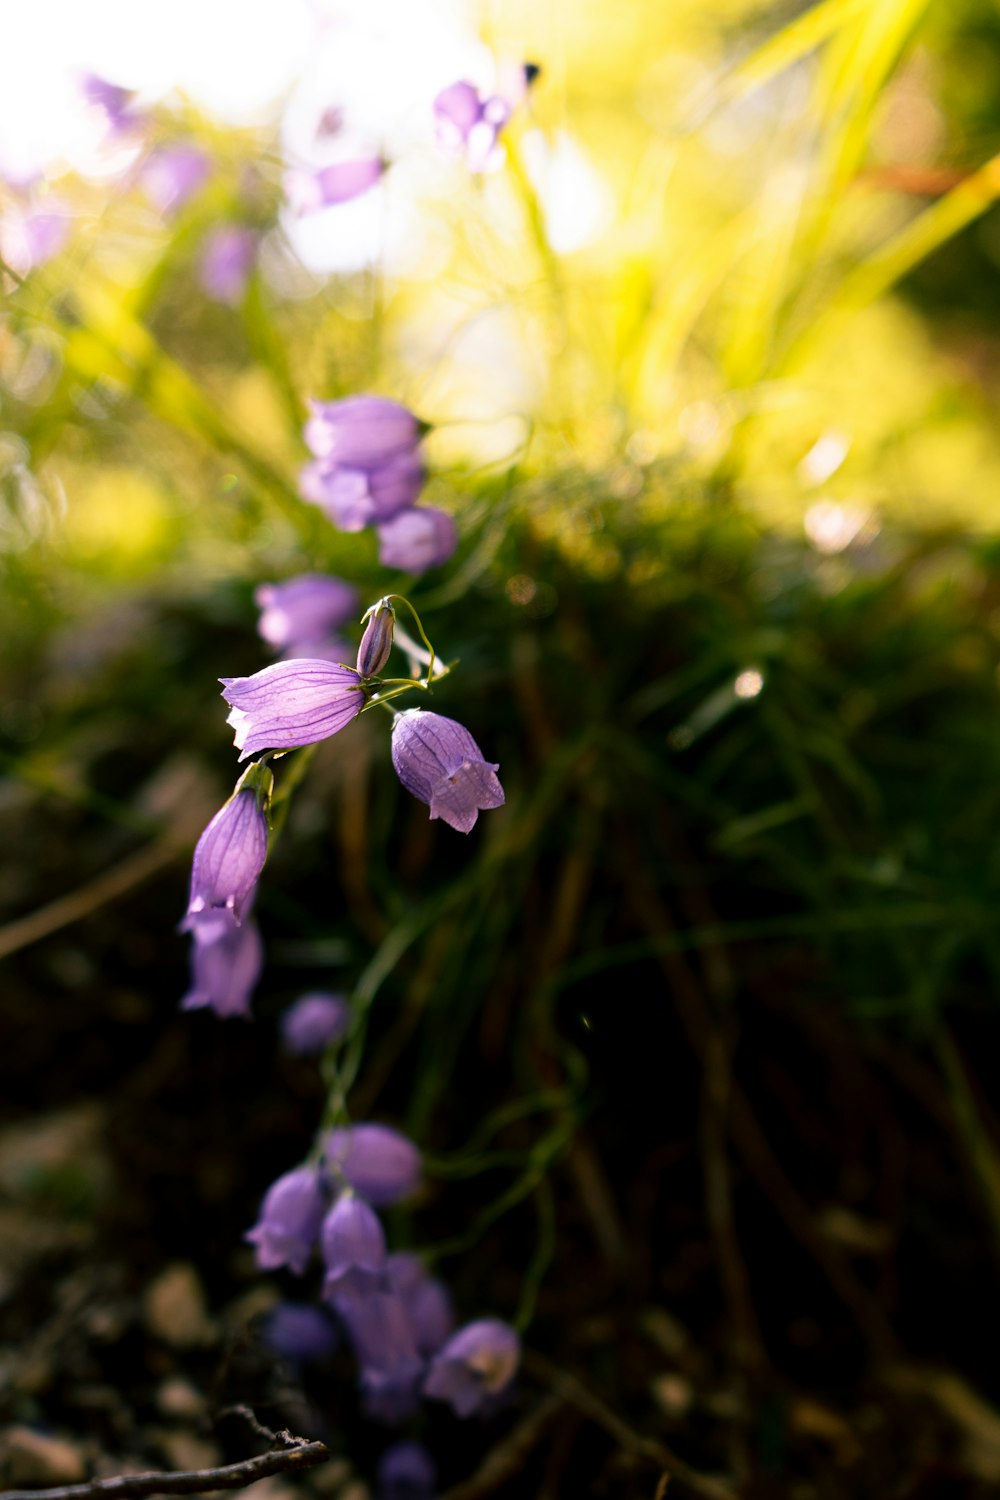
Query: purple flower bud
{"x": 174, "y": 174}
{"x": 290, "y": 1219}
{"x": 230, "y": 854}
{"x": 227, "y": 258}
{"x": 304, "y": 610}
{"x": 476, "y": 1364}
{"x": 427, "y": 1301}
{"x": 376, "y": 643}
{"x": 226, "y": 963}
{"x": 378, "y": 1162}
{"x": 361, "y": 432}
{"x": 438, "y": 761}
{"x": 417, "y": 539}
{"x": 300, "y": 1332}
{"x": 353, "y": 1248}
{"x": 382, "y": 1337}
{"x": 312, "y": 1022}
{"x": 309, "y": 191}
{"x": 406, "y": 1471}
{"x": 291, "y": 703}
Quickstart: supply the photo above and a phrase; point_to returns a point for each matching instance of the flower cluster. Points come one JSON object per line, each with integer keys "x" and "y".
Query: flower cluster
{"x": 367, "y": 471}
{"x": 398, "y": 1318}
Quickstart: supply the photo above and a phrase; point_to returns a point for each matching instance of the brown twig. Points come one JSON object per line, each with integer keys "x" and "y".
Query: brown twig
{"x": 651, "y": 1449}
{"x": 185, "y": 1481}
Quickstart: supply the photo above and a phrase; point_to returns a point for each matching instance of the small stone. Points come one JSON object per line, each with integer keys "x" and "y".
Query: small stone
{"x": 177, "y": 1397}
{"x": 175, "y": 1308}
{"x": 28, "y": 1457}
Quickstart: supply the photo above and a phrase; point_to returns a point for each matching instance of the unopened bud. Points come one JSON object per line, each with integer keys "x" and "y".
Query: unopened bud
{"x": 376, "y": 643}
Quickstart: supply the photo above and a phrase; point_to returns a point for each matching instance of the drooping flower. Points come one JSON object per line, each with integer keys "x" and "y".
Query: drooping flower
{"x": 382, "y": 1337}
{"x": 367, "y": 467}
{"x": 291, "y": 1216}
{"x": 303, "y": 611}
{"x": 291, "y": 703}
{"x": 438, "y": 761}
{"x": 353, "y": 1248}
{"x": 426, "y": 1299}
{"x": 469, "y": 124}
{"x": 300, "y": 1332}
{"x": 406, "y": 1471}
{"x": 173, "y": 174}
{"x": 361, "y": 432}
{"x": 356, "y": 498}
{"x": 376, "y": 643}
{"x": 230, "y": 854}
{"x": 226, "y": 963}
{"x": 227, "y": 258}
{"x": 313, "y": 1022}
{"x": 378, "y": 1162}
{"x": 310, "y": 189}
{"x": 477, "y": 1364}
{"x": 416, "y": 539}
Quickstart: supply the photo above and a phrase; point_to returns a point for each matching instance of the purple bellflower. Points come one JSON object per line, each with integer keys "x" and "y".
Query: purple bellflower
{"x": 378, "y": 1162}
{"x": 416, "y": 539}
{"x": 112, "y": 102}
{"x": 291, "y": 1216}
{"x": 353, "y": 1248}
{"x": 406, "y": 1471}
{"x": 310, "y": 189}
{"x": 227, "y": 258}
{"x": 367, "y": 467}
{"x": 313, "y": 1022}
{"x": 469, "y": 124}
{"x": 300, "y": 1332}
{"x": 303, "y": 611}
{"x": 172, "y": 175}
{"x": 426, "y": 1299}
{"x": 30, "y": 237}
{"x": 376, "y": 643}
{"x": 438, "y": 761}
{"x": 226, "y": 963}
{"x": 477, "y": 1364}
{"x": 230, "y": 854}
{"x": 291, "y": 703}
{"x": 355, "y": 498}
{"x": 390, "y": 1366}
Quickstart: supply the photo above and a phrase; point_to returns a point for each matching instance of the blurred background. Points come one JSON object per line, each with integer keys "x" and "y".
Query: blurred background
{"x": 699, "y": 1031}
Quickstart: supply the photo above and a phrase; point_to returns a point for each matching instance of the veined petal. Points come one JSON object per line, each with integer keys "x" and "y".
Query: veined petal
{"x": 291, "y": 703}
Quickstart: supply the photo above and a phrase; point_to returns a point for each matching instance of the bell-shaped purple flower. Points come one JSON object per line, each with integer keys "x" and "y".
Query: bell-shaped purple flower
{"x": 291, "y": 1216}
{"x": 380, "y": 1332}
{"x": 226, "y": 963}
{"x": 30, "y": 237}
{"x": 406, "y": 1471}
{"x": 313, "y": 1022}
{"x": 309, "y": 190}
{"x": 173, "y": 174}
{"x": 230, "y": 854}
{"x": 227, "y": 258}
{"x": 417, "y": 539}
{"x": 376, "y": 643}
{"x": 356, "y": 498}
{"x": 378, "y": 1162}
{"x": 438, "y": 761}
{"x": 300, "y": 1332}
{"x": 426, "y": 1299}
{"x": 361, "y": 432}
{"x": 469, "y": 124}
{"x": 477, "y": 1364}
{"x": 304, "y": 610}
{"x": 291, "y": 703}
{"x": 353, "y": 1248}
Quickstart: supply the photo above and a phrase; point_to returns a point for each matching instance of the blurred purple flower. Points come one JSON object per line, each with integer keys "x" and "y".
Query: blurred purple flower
{"x": 355, "y": 498}
{"x": 361, "y": 431}
{"x": 291, "y": 1216}
{"x": 438, "y": 761}
{"x": 406, "y": 1471}
{"x": 230, "y": 854}
{"x": 172, "y": 175}
{"x": 226, "y": 963}
{"x": 426, "y": 1299}
{"x": 310, "y": 189}
{"x": 227, "y": 258}
{"x": 383, "y": 1342}
{"x": 469, "y": 124}
{"x": 376, "y": 643}
{"x": 312, "y": 1022}
{"x": 379, "y": 1163}
{"x": 303, "y": 611}
{"x": 30, "y": 237}
{"x": 417, "y": 539}
{"x": 353, "y": 1248}
{"x": 113, "y": 102}
{"x": 300, "y": 1332}
{"x": 291, "y": 703}
{"x": 475, "y": 1365}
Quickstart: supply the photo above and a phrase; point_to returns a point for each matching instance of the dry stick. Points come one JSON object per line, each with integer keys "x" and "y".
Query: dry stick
{"x": 509, "y": 1457}
{"x": 651, "y": 1449}
{"x": 184, "y": 1481}
{"x": 105, "y": 887}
